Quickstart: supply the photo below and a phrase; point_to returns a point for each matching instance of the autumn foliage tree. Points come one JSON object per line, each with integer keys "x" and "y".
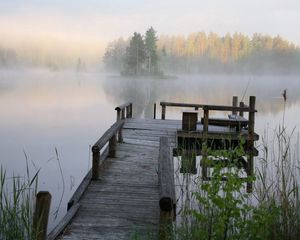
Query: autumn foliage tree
{"x": 211, "y": 53}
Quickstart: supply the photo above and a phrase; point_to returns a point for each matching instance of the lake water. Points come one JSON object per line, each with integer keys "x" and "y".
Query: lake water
{"x": 42, "y": 111}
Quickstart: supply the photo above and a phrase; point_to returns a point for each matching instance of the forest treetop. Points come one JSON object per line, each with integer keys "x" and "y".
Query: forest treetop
{"x": 203, "y": 52}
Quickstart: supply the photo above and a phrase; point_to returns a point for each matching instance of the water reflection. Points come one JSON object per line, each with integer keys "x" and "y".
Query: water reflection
{"x": 41, "y": 111}
{"x": 219, "y": 89}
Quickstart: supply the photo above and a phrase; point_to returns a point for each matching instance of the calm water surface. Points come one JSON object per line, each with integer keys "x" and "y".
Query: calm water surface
{"x": 42, "y": 111}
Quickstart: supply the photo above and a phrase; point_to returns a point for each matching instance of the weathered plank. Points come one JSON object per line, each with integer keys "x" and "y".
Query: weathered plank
{"x": 166, "y": 176}
{"x": 126, "y": 192}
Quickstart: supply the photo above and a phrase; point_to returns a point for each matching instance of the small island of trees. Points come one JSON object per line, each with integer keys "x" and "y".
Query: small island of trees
{"x": 140, "y": 57}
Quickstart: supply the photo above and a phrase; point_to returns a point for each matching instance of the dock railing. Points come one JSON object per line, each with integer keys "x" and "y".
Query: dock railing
{"x": 249, "y": 141}
{"x": 234, "y": 108}
{"x": 110, "y": 138}
{"x": 164, "y": 106}
{"x": 190, "y": 120}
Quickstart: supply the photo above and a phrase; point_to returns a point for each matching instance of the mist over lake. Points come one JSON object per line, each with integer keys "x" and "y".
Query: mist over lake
{"x": 42, "y": 110}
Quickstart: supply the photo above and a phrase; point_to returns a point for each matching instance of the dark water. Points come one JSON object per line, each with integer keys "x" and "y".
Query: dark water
{"x": 42, "y": 111}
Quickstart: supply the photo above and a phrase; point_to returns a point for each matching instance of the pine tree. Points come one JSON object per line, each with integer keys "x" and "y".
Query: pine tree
{"x": 151, "y": 50}
{"x": 135, "y": 55}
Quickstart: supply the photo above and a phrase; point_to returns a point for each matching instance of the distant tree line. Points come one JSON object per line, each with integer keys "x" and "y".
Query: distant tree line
{"x": 208, "y": 53}
{"x": 11, "y": 58}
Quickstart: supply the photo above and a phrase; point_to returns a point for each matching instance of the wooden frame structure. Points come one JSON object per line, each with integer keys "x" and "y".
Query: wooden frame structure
{"x": 238, "y": 128}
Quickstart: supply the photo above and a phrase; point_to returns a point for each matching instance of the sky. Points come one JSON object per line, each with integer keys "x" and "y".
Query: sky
{"x": 92, "y": 23}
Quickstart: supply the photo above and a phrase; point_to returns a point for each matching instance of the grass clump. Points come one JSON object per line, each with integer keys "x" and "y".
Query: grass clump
{"x": 16, "y": 206}
{"x": 224, "y": 210}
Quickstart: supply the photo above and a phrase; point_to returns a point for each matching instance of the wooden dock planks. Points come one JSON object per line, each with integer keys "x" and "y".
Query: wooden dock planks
{"x": 124, "y": 201}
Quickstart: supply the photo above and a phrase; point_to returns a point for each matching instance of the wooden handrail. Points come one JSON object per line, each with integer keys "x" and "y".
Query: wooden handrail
{"x": 228, "y": 108}
{"x": 108, "y": 136}
{"x": 173, "y": 104}
{"x": 234, "y": 109}
{"x": 124, "y": 111}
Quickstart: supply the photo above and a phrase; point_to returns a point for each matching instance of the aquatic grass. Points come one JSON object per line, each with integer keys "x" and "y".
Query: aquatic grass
{"x": 219, "y": 209}
{"x": 16, "y": 205}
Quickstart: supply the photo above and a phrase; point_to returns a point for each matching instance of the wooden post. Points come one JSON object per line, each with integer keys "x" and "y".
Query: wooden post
{"x": 205, "y": 120}
{"x": 96, "y": 161}
{"x": 112, "y": 146}
{"x": 130, "y": 108}
{"x": 121, "y": 116}
{"x": 41, "y": 215}
{"x": 118, "y": 114}
{"x": 234, "y": 104}
{"x": 204, "y": 145}
{"x": 120, "y": 137}
{"x": 250, "y": 142}
{"x": 163, "y": 112}
{"x": 154, "y": 111}
{"x": 123, "y": 113}
{"x": 127, "y": 112}
{"x": 242, "y": 112}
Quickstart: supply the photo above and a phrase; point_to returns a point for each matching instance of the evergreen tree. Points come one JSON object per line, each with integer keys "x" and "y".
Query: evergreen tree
{"x": 135, "y": 55}
{"x": 151, "y": 50}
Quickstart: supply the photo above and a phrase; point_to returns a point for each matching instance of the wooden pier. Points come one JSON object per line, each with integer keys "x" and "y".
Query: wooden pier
{"x": 130, "y": 190}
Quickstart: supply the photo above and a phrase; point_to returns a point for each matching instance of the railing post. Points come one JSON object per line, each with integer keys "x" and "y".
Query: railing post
{"x": 234, "y": 104}
{"x": 204, "y": 146}
{"x": 112, "y": 146}
{"x": 41, "y": 215}
{"x": 118, "y": 114}
{"x": 205, "y": 120}
{"x": 250, "y": 142}
{"x": 123, "y": 113}
{"x": 154, "y": 111}
{"x": 130, "y": 108}
{"x": 96, "y": 161}
{"x": 163, "y": 112}
{"x": 242, "y": 112}
{"x": 127, "y": 112}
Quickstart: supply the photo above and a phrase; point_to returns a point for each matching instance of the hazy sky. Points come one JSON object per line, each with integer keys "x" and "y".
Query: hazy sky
{"x": 99, "y": 21}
